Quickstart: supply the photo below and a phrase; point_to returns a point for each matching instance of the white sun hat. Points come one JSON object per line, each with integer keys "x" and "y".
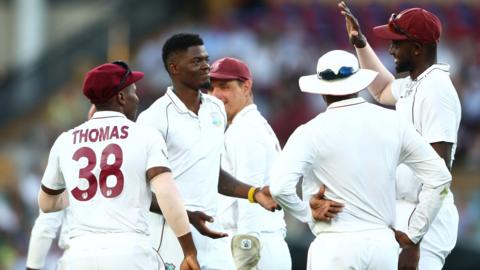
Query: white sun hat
{"x": 338, "y": 74}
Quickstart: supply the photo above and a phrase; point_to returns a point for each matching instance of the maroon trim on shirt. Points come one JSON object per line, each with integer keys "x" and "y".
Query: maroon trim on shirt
{"x": 108, "y": 117}
{"x": 346, "y": 105}
{"x": 52, "y": 191}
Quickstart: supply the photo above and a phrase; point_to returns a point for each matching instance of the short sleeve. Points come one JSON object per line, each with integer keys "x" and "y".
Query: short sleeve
{"x": 53, "y": 177}
{"x": 156, "y": 150}
{"x": 438, "y": 117}
{"x": 156, "y": 117}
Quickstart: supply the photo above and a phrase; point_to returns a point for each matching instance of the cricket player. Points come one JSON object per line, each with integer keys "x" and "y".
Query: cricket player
{"x": 427, "y": 99}
{"x": 250, "y": 149}
{"x": 103, "y": 171}
{"x": 354, "y": 149}
{"x": 193, "y": 124}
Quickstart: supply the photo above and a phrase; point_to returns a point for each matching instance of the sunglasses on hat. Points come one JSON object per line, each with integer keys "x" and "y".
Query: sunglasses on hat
{"x": 128, "y": 71}
{"x": 397, "y": 29}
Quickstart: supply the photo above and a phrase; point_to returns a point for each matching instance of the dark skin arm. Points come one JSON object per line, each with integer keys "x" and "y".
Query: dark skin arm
{"x": 197, "y": 218}
{"x": 444, "y": 150}
{"x": 189, "y": 252}
{"x": 230, "y": 186}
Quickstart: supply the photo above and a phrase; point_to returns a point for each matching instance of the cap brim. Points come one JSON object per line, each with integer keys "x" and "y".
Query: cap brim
{"x": 384, "y": 32}
{"x": 350, "y": 85}
{"x": 134, "y": 77}
{"x": 220, "y": 76}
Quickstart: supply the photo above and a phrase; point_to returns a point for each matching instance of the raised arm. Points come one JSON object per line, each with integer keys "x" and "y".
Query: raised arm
{"x": 381, "y": 87}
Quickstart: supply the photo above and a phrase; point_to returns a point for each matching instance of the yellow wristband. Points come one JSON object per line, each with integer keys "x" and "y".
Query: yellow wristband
{"x": 251, "y": 193}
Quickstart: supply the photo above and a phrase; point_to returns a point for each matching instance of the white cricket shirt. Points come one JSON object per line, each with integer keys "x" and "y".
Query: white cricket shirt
{"x": 102, "y": 164}
{"x": 431, "y": 104}
{"x": 194, "y": 144}
{"x": 354, "y": 149}
{"x": 251, "y": 146}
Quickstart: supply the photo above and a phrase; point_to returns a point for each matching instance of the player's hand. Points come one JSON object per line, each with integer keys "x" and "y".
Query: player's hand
{"x": 410, "y": 254}
{"x": 198, "y": 219}
{"x": 324, "y": 209}
{"x": 264, "y": 198}
{"x": 190, "y": 263}
{"x": 402, "y": 239}
{"x": 409, "y": 258}
{"x": 91, "y": 111}
{"x": 353, "y": 27}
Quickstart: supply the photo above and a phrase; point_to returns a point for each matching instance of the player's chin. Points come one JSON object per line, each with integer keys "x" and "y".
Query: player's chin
{"x": 206, "y": 84}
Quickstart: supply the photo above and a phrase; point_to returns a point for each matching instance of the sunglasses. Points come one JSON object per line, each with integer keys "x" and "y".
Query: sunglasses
{"x": 329, "y": 75}
{"x": 397, "y": 29}
{"x": 128, "y": 71}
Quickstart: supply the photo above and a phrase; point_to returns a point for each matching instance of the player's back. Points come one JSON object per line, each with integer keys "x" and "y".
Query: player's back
{"x": 104, "y": 164}
{"x": 357, "y": 146}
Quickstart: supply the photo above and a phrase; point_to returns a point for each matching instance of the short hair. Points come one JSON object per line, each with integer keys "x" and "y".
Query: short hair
{"x": 179, "y": 42}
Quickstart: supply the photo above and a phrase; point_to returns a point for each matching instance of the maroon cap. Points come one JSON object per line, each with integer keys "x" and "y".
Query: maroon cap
{"x": 229, "y": 68}
{"x": 105, "y": 81}
{"x": 415, "y": 24}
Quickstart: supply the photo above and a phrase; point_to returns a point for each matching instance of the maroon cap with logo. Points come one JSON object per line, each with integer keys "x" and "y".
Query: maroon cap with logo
{"x": 105, "y": 81}
{"x": 414, "y": 24}
{"x": 229, "y": 68}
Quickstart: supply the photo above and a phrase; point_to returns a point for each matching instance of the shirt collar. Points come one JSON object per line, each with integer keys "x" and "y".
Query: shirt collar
{"x": 346, "y": 102}
{"x": 107, "y": 114}
{"x": 443, "y": 67}
{"x": 243, "y": 112}
{"x": 181, "y": 107}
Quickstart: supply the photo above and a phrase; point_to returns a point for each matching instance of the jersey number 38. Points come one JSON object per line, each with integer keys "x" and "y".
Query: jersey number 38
{"x": 105, "y": 171}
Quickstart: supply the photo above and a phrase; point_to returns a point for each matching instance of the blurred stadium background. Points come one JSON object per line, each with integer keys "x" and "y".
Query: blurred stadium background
{"x": 48, "y": 45}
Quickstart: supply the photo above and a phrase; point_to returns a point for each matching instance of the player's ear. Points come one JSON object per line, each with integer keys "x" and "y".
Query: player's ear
{"x": 247, "y": 87}
{"x": 121, "y": 98}
{"x": 417, "y": 48}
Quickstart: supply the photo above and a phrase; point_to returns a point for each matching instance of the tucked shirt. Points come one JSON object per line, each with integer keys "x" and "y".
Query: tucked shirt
{"x": 194, "y": 144}
{"x": 354, "y": 149}
{"x": 431, "y": 104}
{"x": 250, "y": 149}
{"x": 102, "y": 163}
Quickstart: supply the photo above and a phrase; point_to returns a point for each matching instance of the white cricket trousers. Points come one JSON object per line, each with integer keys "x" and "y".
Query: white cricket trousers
{"x": 440, "y": 238}
{"x": 110, "y": 251}
{"x": 360, "y": 250}
{"x": 212, "y": 254}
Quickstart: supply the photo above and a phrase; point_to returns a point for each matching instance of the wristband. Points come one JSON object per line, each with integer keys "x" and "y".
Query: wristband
{"x": 251, "y": 194}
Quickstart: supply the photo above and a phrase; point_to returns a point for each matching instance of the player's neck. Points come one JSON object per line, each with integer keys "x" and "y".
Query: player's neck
{"x": 189, "y": 97}
{"x": 421, "y": 67}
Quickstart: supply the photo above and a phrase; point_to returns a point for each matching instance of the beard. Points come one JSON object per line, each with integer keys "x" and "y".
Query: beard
{"x": 403, "y": 66}
{"x": 206, "y": 85}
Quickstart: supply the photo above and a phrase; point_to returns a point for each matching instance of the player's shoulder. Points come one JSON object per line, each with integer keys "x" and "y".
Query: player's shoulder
{"x": 437, "y": 79}
{"x": 155, "y": 112}
{"x": 214, "y": 101}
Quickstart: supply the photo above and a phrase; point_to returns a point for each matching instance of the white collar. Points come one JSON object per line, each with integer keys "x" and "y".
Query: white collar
{"x": 180, "y": 106}
{"x": 443, "y": 67}
{"x": 346, "y": 102}
{"x": 244, "y": 112}
{"x": 107, "y": 114}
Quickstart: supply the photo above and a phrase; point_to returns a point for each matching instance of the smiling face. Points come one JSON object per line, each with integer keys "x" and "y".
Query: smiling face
{"x": 191, "y": 67}
{"x": 404, "y": 53}
{"x": 234, "y": 94}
